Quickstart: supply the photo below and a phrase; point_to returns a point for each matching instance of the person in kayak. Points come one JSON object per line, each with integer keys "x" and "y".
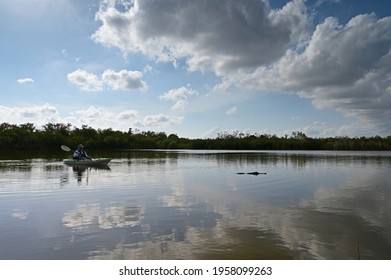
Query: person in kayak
{"x": 80, "y": 153}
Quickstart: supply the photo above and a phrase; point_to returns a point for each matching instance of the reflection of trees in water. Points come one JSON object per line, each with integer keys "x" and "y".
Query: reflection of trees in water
{"x": 297, "y": 160}
{"x": 16, "y": 165}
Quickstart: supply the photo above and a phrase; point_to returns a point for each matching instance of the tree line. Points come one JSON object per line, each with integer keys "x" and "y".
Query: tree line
{"x": 52, "y": 135}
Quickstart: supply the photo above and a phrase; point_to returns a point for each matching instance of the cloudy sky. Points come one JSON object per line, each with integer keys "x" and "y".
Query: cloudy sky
{"x": 196, "y": 68}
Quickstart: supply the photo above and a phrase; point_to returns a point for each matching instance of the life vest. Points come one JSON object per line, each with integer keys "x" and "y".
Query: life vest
{"x": 78, "y": 154}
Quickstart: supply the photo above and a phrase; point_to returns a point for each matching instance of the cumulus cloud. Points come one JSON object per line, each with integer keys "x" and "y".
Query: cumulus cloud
{"x": 85, "y": 81}
{"x": 217, "y": 35}
{"x": 103, "y": 118}
{"x": 122, "y": 80}
{"x": 93, "y": 116}
{"x": 25, "y": 81}
{"x": 99, "y": 117}
{"x": 179, "y": 96}
{"x": 344, "y": 66}
{"x": 38, "y": 115}
{"x": 161, "y": 120}
{"x": 128, "y": 115}
{"x": 93, "y": 113}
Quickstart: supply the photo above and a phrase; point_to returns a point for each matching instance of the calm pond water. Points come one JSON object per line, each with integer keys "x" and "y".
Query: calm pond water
{"x": 194, "y": 205}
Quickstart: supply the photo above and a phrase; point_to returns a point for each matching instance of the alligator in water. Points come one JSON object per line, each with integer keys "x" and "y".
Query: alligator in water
{"x": 252, "y": 173}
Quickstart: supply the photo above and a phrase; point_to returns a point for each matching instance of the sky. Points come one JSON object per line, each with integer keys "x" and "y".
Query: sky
{"x": 199, "y": 68}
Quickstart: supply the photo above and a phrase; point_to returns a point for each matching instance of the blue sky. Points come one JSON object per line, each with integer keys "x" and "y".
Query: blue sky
{"x": 197, "y": 68}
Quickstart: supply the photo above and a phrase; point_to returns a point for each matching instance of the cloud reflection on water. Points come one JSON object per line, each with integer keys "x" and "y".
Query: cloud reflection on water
{"x": 195, "y": 206}
{"x": 115, "y": 216}
{"x": 325, "y": 225}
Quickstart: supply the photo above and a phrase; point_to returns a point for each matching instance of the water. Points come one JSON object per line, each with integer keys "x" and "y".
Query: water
{"x": 194, "y": 205}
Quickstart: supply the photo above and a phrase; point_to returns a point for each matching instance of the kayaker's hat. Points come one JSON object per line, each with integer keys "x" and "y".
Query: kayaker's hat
{"x": 80, "y": 146}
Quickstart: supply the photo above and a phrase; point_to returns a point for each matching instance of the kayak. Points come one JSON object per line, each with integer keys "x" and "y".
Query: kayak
{"x": 87, "y": 162}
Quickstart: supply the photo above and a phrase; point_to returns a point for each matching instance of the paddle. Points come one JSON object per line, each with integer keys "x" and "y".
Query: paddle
{"x": 65, "y": 148}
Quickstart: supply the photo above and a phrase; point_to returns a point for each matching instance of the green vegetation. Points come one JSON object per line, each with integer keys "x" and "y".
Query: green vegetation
{"x": 53, "y": 135}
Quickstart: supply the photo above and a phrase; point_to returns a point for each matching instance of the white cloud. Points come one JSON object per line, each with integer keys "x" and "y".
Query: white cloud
{"x": 25, "y": 81}
{"x": 94, "y": 113}
{"x": 180, "y": 96}
{"x": 128, "y": 115}
{"x": 180, "y": 105}
{"x": 103, "y": 118}
{"x": 122, "y": 80}
{"x": 160, "y": 120}
{"x": 38, "y": 115}
{"x": 218, "y": 35}
{"x": 99, "y": 117}
{"x": 176, "y": 94}
{"x": 232, "y": 111}
{"x": 148, "y": 68}
{"x": 344, "y": 67}
{"x": 85, "y": 80}
{"x": 96, "y": 117}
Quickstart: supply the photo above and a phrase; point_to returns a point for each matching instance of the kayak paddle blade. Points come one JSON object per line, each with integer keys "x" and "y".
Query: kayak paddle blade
{"x": 65, "y": 148}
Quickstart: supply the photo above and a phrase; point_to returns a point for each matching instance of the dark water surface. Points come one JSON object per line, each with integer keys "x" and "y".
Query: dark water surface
{"x": 194, "y": 205}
